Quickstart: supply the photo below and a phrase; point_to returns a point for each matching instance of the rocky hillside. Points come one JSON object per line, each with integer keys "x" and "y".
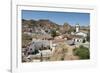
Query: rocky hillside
{"x": 44, "y": 26}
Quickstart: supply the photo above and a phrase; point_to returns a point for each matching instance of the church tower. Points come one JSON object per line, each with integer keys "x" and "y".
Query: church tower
{"x": 77, "y": 27}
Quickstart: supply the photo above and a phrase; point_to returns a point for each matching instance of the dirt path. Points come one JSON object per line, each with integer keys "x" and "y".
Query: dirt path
{"x": 70, "y": 55}
{"x": 63, "y": 52}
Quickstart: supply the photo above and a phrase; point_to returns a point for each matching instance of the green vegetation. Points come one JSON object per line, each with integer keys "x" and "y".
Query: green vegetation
{"x": 84, "y": 40}
{"x": 71, "y": 30}
{"x": 62, "y": 58}
{"x": 53, "y": 33}
{"x": 82, "y": 52}
{"x": 66, "y": 23}
{"x": 88, "y": 37}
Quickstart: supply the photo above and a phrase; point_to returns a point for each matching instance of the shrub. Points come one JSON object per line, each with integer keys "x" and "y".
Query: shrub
{"x": 62, "y": 58}
{"x": 88, "y": 37}
{"x": 82, "y": 52}
{"x": 53, "y": 33}
{"x": 84, "y": 40}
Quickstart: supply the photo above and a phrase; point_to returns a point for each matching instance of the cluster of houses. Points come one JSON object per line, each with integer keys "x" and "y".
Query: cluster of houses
{"x": 38, "y": 50}
{"x": 42, "y": 47}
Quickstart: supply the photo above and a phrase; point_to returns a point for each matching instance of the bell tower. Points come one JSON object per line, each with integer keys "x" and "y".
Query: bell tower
{"x": 77, "y": 27}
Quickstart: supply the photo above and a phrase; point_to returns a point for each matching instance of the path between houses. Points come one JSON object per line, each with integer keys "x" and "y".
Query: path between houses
{"x": 70, "y": 55}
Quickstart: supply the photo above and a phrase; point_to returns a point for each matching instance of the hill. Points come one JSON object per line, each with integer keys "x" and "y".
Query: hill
{"x": 44, "y": 26}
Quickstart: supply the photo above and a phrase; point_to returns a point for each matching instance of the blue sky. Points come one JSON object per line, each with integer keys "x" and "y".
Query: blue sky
{"x": 58, "y": 17}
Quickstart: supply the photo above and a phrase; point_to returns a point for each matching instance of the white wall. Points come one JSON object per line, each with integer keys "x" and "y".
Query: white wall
{"x": 5, "y": 34}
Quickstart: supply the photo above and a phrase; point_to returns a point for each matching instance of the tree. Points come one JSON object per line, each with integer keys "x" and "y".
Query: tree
{"x": 53, "y": 33}
{"x": 82, "y": 52}
{"x": 84, "y": 40}
{"x": 65, "y": 24}
{"x": 41, "y": 58}
{"x": 88, "y": 37}
{"x": 71, "y": 30}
